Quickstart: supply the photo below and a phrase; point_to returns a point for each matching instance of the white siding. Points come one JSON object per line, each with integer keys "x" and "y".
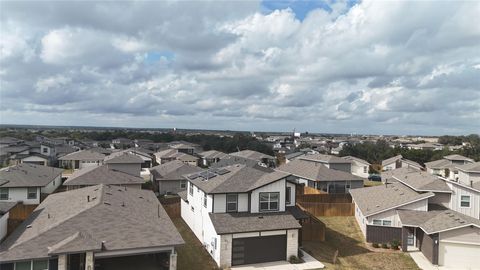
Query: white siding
{"x": 219, "y": 203}
{"x": 52, "y": 186}
{"x": 292, "y": 193}
{"x": 20, "y": 195}
{"x": 358, "y": 169}
{"x": 458, "y": 191}
{"x": 463, "y": 235}
{"x": 243, "y": 202}
{"x": 3, "y": 225}
{"x": 35, "y": 159}
{"x": 393, "y": 216}
{"x": 278, "y": 186}
{"x": 361, "y": 220}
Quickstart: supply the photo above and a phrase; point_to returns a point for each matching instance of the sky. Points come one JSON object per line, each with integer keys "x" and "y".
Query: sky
{"x": 364, "y": 67}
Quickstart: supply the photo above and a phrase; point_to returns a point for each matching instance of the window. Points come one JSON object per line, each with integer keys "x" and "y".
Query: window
{"x": 40, "y": 265}
{"x": 365, "y": 170}
{"x": 191, "y": 189}
{"x": 232, "y": 202}
{"x": 193, "y": 209}
{"x": 465, "y": 201}
{"x": 205, "y": 199}
{"x": 45, "y": 150}
{"x": 183, "y": 184}
{"x": 214, "y": 243}
{"x": 3, "y": 193}
{"x": 377, "y": 222}
{"x": 288, "y": 195}
{"x": 31, "y": 193}
{"x": 269, "y": 201}
{"x": 387, "y": 223}
{"x": 23, "y": 265}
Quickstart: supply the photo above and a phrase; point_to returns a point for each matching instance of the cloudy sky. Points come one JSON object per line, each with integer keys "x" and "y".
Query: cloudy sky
{"x": 375, "y": 67}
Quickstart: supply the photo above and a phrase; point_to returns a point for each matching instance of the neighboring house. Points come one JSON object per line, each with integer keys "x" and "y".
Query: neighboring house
{"x": 9, "y": 141}
{"x": 168, "y": 177}
{"x": 318, "y": 176}
{"x": 466, "y": 190}
{"x": 28, "y": 183}
{"x": 173, "y": 154}
{"x": 239, "y": 214}
{"x": 426, "y": 146}
{"x": 183, "y": 148}
{"x": 261, "y": 158}
{"x": 122, "y": 142}
{"x": 31, "y": 158}
{"x": 92, "y": 176}
{"x": 359, "y": 166}
{"x": 124, "y": 162}
{"x": 329, "y": 161}
{"x": 211, "y": 157}
{"x": 412, "y": 212}
{"x": 144, "y": 154}
{"x": 292, "y": 156}
{"x": 81, "y": 159}
{"x": 101, "y": 227}
{"x": 5, "y": 208}
{"x": 446, "y": 167}
{"x": 399, "y": 162}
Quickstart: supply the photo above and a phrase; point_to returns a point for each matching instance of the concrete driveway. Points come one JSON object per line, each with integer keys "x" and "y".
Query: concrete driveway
{"x": 309, "y": 264}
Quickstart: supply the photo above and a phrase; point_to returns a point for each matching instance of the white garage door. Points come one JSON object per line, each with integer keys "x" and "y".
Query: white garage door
{"x": 459, "y": 256}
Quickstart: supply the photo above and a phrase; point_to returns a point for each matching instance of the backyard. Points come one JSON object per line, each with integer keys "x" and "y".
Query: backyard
{"x": 344, "y": 235}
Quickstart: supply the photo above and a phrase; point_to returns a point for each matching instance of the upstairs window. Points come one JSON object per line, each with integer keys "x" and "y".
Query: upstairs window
{"x": 365, "y": 169}
{"x": 205, "y": 199}
{"x": 183, "y": 184}
{"x": 269, "y": 201}
{"x": 191, "y": 189}
{"x": 288, "y": 195}
{"x": 232, "y": 202}
{"x": 32, "y": 193}
{"x": 3, "y": 193}
{"x": 465, "y": 201}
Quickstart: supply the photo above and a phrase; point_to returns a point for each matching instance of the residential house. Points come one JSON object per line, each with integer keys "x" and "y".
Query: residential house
{"x": 211, "y": 157}
{"x": 412, "y": 211}
{"x": 91, "y": 176}
{"x": 446, "y": 167}
{"x": 5, "y": 208}
{"x": 28, "y": 183}
{"x": 81, "y": 159}
{"x": 97, "y": 227}
{"x": 183, "y": 148}
{"x": 316, "y": 175}
{"x": 426, "y": 146}
{"x": 122, "y": 143}
{"x": 399, "y": 162}
{"x": 168, "y": 177}
{"x": 124, "y": 162}
{"x": 466, "y": 190}
{"x": 239, "y": 214}
{"x": 249, "y": 157}
{"x": 329, "y": 161}
{"x": 10, "y": 141}
{"x": 173, "y": 154}
{"x": 359, "y": 166}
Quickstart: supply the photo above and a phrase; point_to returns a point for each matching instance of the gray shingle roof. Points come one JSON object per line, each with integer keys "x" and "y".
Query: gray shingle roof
{"x": 183, "y": 195}
{"x": 240, "y": 178}
{"x": 315, "y": 172}
{"x": 91, "y": 176}
{"x": 211, "y": 154}
{"x": 351, "y": 158}
{"x": 225, "y": 223}
{"x": 86, "y": 155}
{"x": 28, "y": 175}
{"x": 391, "y": 160}
{"x": 122, "y": 158}
{"x": 472, "y": 167}
{"x": 325, "y": 158}
{"x": 173, "y": 170}
{"x": 458, "y": 157}
{"x": 250, "y": 154}
{"x": 121, "y": 218}
{"x": 438, "y": 164}
{"x": 173, "y": 153}
{"x": 373, "y": 200}
{"x": 436, "y": 220}
{"x": 6, "y": 206}
{"x": 422, "y": 181}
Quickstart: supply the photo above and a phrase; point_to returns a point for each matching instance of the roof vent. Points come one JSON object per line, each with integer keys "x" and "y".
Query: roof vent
{"x": 260, "y": 217}
{"x": 29, "y": 226}
{"x": 107, "y": 203}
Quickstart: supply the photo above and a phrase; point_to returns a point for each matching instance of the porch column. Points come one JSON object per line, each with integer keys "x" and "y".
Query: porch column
{"x": 404, "y": 239}
{"x": 89, "y": 260}
{"x": 62, "y": 262}
{"x": 173, "y": 261}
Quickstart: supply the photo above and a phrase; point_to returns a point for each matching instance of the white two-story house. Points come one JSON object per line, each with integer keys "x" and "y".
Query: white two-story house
{"x": 25, "y": 183}
{"x": 240, "y": 214}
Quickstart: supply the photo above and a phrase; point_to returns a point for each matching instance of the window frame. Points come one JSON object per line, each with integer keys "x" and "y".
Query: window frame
{"x": 288, "y": 195}
{"x": 190, "y": 189}
{"x": 377, "y": 222}
{"x": 29, "y": 192}
{"x": 227, "y": 202}
{"x": 269, "y": 202}
{"x": 183, "y": 184}
{"x": 205, "y": 199}
{"x": 386, "y": 221}
{"x": 3, "y": 193}
{"x": 462, "y": 201}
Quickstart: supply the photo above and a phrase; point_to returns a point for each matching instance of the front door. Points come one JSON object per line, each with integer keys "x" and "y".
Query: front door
{"x": 411, "y": 237}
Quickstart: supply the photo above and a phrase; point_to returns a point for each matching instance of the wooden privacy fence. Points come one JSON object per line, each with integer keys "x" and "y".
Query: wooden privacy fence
{"x": 309, "y": 190}
{"x": 21, "y": 211}
{"x": 171, "y": 206}
{"x": 329, "y": 209}
{"x": 324, "y": 198}
{"x": 312, "y": 228}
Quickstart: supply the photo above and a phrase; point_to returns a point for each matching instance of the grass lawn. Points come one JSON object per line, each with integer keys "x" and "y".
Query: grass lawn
{"x": 192, "y": 255}
{"x": 344, "y": 235}
{"x": 368, "y": 183}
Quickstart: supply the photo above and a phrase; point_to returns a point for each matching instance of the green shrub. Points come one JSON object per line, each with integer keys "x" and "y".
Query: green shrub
{"x": 384, "y": 245}
{"x": 294, "y": 259}
{"x": 375, "y": 245}
{"x": 394, "y": 244}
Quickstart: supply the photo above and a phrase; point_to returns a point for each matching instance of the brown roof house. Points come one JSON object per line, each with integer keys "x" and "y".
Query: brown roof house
{"x": 101, "y": 227}
{"x": 168, "y": 178}
{"x": 240, "y": 214}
